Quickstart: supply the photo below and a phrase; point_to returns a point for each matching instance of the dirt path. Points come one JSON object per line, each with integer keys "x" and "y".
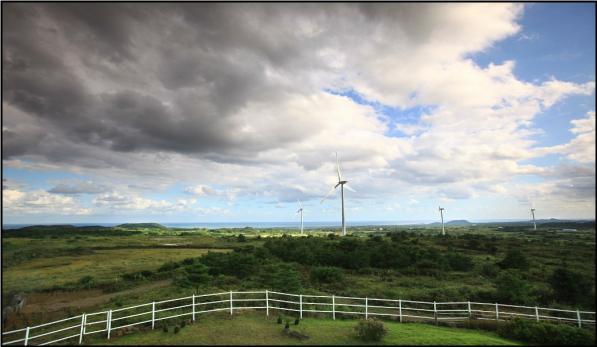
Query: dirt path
{"x": 56, "y": 301}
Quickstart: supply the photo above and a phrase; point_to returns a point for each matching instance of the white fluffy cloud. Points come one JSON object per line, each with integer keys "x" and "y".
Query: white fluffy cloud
{"x": 239, "y": 99}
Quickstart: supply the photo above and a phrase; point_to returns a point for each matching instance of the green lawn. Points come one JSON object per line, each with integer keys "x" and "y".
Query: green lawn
{"x": 252, "y": 328}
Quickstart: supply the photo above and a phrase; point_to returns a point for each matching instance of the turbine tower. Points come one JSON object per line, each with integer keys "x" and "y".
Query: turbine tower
{"x": 533, "y": 213}
{"x": 441, "y": 213}
{"x": 300, "y": 210}
{"x": 341, "y": 183}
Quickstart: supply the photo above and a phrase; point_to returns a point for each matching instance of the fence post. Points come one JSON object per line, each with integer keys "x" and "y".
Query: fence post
{"x": 366, "y": 308}
{"x": 26, "y": 336}
{"x": 109, "y": 322}
{"x": 231, "y": 302}
{"x": 400, "y": 309}
{"x": 152, "y": 315}
{"x": 333, "y": 307}
{"x": 266, "y": 303}
{"x": 435, "y": 312}
{"x": 470, "y": 314}
{"x": 82, "y": 328}
{"x": 497, "y": 313}
{"x": 578, "y": 317}
{"x": 537, "y": 313}
{"x": 193, "y": 307}
{"x": 301, "y": 305}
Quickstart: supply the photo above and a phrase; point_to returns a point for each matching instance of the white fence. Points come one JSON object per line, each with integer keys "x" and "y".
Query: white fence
{"x": 75, "y": 328}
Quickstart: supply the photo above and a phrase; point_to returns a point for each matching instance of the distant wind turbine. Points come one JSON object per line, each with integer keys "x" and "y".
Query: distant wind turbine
{"x": 534, "y": 223}
{"x": 300, "y": 210}
{"x": 441, "y": 213}
{"x": 341, "y": 183}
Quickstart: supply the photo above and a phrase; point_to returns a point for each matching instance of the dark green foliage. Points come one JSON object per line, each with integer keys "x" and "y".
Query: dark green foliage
{"x": 279, "y": 319}
{"x": 569, "y": 286}
{"x": 297, "y": 321}
{"x": 512, "y": 288}
{"x": 489, "y": 270}
{"x": 138, "y": 276}
{"x": 168, "y": 266}
{"x": 183, "y": 324}
{"x": 370, "y": 330}
{"x": 327, "y": 274}
{"x": 193, "y": 276}
{"x": 241, "y": 238}
{"x": 280, "y": 277}
{"x": 239, "y": 263}
{"x": 544, "y": 333}
{"x": 176, "y": 329}
{"x": 165, "y": 328}
{"x": 514, "y": 259}
{"x": 459, "y": 262}
{"x": 287, "y": 326}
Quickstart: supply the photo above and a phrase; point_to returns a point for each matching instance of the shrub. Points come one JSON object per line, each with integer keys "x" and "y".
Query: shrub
{"x": 176, "y": 329}
{"x": 569, "y": 286}
{"x": 370, "y": 330}
{"x": 297, "y": 321}
{"x": 287, "y": 326}
{"x": 514, "y": 259}
{"x": 165, "y": 328}
{"x": 545, "y": 333}
{"x": 182, "y": 324}
{"x": 279, "y": 319}
{"x": 512, "y": 288}
{"x": 327, "y": 274}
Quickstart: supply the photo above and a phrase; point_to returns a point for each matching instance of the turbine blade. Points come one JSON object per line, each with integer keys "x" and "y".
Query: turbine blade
{"x": 348, "y": 187}
{"x": 338, "y": 168}
{"x": 300, "y": 203}
{"x": 328, "y": 194}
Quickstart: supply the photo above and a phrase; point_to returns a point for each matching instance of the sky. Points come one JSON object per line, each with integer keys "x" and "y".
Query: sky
{"x": 216, "y": 112}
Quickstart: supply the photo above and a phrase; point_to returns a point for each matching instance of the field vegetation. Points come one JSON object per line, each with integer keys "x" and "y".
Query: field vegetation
{"x": 63, "y": 270}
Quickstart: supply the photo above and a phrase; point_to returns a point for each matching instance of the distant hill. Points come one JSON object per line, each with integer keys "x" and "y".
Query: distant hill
{"x": 454, "y": 223}
{"x": 141, "y": 226}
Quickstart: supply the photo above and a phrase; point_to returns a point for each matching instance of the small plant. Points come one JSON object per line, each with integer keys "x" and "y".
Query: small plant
{"x": 297, "y": 321}
{"x": 176, "y": 329}
{"x": 182, "y": 324}
{"x": 165, "y": 328}
{"x": 287, "y": 326}
{"x": 370, "y": 330}
{"x": 279, "y": 319}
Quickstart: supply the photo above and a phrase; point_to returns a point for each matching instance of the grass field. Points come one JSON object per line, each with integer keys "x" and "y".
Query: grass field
{"x": 250, "y": 328}
{"x": 103, "y": 265}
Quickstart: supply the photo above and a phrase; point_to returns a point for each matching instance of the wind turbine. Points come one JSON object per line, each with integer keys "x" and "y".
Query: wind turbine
{"x": 301, "y": 212}
{"x": 341, "y": 183}
{"x": 533, "y": 213}
{"x": 441, "y": 212}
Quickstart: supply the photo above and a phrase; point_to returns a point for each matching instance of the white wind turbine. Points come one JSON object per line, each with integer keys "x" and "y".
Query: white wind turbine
{"x": 341, "y": 183}
{"x": 441, "y": 212}
{"x": 533, "y": 213}
{"x": 300, "y": 210}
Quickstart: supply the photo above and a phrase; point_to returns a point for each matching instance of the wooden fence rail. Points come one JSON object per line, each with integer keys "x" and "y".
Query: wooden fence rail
{"x": 77, "y": 327}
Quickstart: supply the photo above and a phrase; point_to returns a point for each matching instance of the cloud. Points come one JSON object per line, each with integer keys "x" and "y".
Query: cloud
{"x": 36, "y": 202}
{"x": 238, "y": 96}
{"x": 78, "y": 187}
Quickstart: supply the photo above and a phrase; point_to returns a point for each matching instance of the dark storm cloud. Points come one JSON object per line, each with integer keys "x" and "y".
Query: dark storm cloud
{"x": 188, "y": 68}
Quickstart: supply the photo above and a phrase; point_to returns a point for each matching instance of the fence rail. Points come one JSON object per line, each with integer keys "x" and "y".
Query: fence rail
{"x": 104, "y": 321}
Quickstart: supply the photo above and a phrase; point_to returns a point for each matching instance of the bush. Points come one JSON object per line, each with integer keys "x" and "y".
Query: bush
{"x": 165, "y": 328}
{"x": 545, "y": 333}
{"x": 176, "y": 329}
{"x": 512, "y": 288}
{"x": 514, "y": 259}
{"x": 279, "y": 319}
{"x": 287, "y": 326}
{"x": 569, "y": 286}
{"x": 327, "y": 274}
{"x": 370, "y": 330}
{"x": 297, "y": 321}
{"x": 182, "y": 324}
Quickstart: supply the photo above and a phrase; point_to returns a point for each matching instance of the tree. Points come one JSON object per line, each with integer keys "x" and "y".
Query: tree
{"x": 193, "y": 276}
{"x": 512, "y": 288}
{"x": 514, "y": 259}
{"x": 569, "y": 286}
{"x": 281, "y": 276}
{"x": 327, "y": 274}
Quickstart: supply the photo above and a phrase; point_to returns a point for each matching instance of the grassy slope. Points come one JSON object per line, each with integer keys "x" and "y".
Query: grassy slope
{"x": 102, "y": 265}
{"x": 254, "y": 329}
